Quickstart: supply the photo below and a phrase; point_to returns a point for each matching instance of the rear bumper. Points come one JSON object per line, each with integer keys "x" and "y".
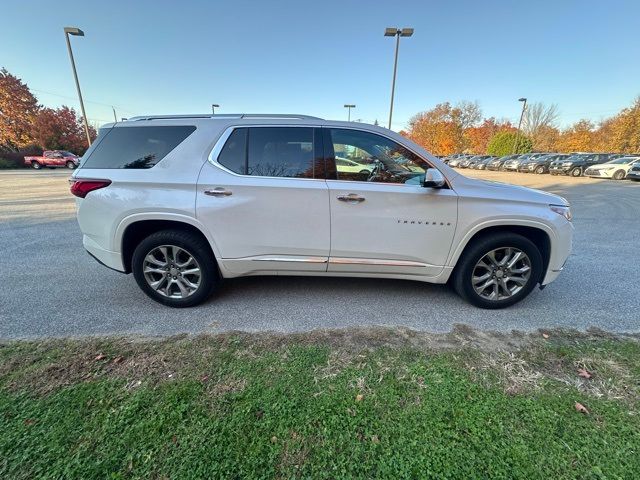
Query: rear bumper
{"x": 113, "y": 260}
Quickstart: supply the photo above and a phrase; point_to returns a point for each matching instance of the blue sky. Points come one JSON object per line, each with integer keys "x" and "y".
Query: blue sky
{"x": 313, "y": 57}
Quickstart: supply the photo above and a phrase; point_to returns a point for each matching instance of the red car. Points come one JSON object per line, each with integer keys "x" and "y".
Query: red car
{"x": 53, "y": 159}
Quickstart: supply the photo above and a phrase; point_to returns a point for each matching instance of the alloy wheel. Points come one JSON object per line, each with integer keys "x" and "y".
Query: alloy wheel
{"x": 172, "y": 271}
{"x": 501, "y": 273}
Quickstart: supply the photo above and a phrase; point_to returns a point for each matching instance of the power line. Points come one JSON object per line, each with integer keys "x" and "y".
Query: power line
{"x": 75, "y": 99}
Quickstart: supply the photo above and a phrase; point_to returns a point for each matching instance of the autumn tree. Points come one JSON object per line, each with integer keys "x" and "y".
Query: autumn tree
{"x": 61, "y": 129}
{"x": 626, "y": 129}
{"x": 503, "y": 143}
{"x": 577, "y": 138}
{"x": 18, "y": 109}
{"x": 537, "y": 121}
{"x": 441, "y": 129}
{"x": 478, "y": 137}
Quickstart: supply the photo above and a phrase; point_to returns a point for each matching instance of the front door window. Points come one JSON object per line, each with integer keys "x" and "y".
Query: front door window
{"x": 365, "y": 156}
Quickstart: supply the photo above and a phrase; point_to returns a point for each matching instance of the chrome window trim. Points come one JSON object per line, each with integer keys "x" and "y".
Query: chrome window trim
{"x": 217, "y": 148}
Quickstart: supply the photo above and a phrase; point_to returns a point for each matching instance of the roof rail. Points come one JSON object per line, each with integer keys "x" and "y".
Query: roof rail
{"x": 226, "y": 115}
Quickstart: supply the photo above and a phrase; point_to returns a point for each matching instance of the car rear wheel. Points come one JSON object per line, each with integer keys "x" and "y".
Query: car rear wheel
{"x": 35, "y": 165}
{"x": 71, "y": 165}
{"x": 497, "y": 271}
{"x": 540, "y": 170}
{"x": 619, "y": 175}
{"x": 576, "y": 172}
{"x": 175, "y": 268}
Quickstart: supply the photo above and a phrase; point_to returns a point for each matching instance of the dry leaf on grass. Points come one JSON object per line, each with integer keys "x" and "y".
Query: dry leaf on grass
{"x": 584, "y": 373}
{"x": 375, "y": 439}
{"x": 581, "y": 408}
{"x": 359, "y": 397}
{"x": 118, "y": 359}
{"x": 545, "y": 335}
{"x": 100, "y": 356}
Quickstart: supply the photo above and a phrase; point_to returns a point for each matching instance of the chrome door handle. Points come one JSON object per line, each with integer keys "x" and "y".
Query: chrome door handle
{"x": 351, "y": 198}
{"x": 218, "y": 192}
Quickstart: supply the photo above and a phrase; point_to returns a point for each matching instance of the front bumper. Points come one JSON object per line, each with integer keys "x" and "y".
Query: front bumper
{"x": 559, "y": 170}
{"x": 560, "y": 250}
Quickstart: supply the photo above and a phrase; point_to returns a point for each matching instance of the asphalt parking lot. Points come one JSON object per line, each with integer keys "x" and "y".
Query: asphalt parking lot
{"x": 51, "y": 287}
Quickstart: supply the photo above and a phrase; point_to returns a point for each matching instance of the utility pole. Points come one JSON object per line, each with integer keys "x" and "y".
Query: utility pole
{"x": 524, "y": 106}
{"x": 78, "y": 33}
{"x": 395, "y": 32}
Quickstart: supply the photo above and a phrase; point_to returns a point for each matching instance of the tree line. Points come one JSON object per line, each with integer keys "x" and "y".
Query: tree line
{"x": 460, "y": 128}
{"x": 28, "y": 128}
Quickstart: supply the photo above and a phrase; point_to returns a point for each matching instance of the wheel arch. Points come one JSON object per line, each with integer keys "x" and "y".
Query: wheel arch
{"x": 133, "y": 230}
{"x": 538, "y": 233}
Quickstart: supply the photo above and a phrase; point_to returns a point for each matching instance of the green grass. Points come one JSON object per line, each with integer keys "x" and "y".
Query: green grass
{"x": 237, "y": 407}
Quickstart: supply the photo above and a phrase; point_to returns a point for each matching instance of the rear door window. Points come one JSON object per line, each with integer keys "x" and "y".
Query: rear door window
{"x": 136, "y": 147}
{"x": 290, "y": 152}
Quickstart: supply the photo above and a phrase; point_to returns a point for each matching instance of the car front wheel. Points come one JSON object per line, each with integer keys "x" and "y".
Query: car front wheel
{"x": 498, "y": 270}
{"x": 576, "y": 172}
{"x": 619, "y": 175}
{"x": 175, "y": 268}
{"x": 36, "y": 165}
{"x": 71, "y": 165}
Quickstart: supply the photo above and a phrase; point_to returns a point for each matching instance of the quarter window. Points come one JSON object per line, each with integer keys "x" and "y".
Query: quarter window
{"x": 136, "y": 147}
{"x": 375, "y": 158}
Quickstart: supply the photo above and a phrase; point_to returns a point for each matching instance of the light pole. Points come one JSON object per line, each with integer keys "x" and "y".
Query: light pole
{"x": 395, "y": 32}
{"x": 115, "y": 117}
{"x": 213, "y": 108}
{"x": 524, "y": 106}
{"x": 349, "y": 106}
{"x": 78, "y": 33}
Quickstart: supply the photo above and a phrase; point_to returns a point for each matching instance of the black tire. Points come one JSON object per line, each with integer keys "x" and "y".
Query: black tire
{"x": 480, "y": 247}
{"x": 35, "y": 165}
{"x": 364, "y": 172}
{"x": 196, "y": 247}
{"x": 71, "y": 165}
{"x": 619, "y": 175}
{"x": 576, "y": 172}
{"x": 540, "y": 170}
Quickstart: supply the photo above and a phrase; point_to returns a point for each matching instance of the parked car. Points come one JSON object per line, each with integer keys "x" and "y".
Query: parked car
{"x": 469, "y": 160}
{"x": 616, "y": 168}
{"x": 344, "y": 165}
{"x": 267, "y": 199}
{"x": 498, "y": 163}
{"x": 576, "y": 164}
{"x": 513, "y": 164}
{"x": 448, "y": 158}
{"x": 53, "y": 159}
{"x": 455, "y": 162}
{"x": 634, "y": 172}
{"x": 482, "y": 164}
{"x": 541, "y": 164}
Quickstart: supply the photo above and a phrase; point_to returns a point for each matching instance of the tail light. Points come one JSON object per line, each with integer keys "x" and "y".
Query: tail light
{"x": 80, "y": 187}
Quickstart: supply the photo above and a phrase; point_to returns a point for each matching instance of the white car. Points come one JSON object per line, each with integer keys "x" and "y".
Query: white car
{"x": 344, "y": 165}
{"x": 616, "y": 169}
{"x": 186, "y": 201}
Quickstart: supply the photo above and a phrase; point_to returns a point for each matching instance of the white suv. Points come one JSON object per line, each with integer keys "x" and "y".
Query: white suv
{"x": 185, "y": 201}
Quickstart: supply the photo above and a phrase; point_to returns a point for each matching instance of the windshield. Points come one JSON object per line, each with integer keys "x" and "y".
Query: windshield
{"x": 623, "y": 160}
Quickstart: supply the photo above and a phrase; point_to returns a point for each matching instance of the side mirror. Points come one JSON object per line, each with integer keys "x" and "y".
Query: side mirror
{"x": 433, "y": 179}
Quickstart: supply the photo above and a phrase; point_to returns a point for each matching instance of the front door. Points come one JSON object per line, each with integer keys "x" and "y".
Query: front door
{"x": 382, "y": 219}
{"x": 265, "y": 202}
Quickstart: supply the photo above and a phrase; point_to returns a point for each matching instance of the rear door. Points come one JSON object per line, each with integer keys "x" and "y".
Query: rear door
{"x": 386, "y": 223}
{"x": 263, "y": 197}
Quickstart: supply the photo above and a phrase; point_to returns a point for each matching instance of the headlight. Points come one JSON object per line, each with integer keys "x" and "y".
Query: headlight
{"x": 562, "y": 210}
